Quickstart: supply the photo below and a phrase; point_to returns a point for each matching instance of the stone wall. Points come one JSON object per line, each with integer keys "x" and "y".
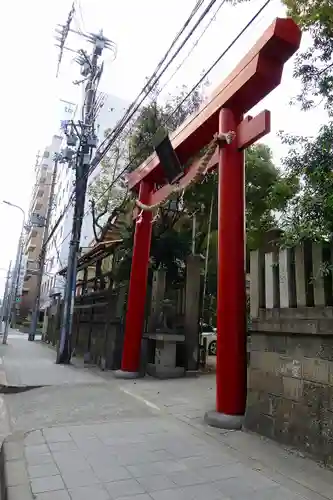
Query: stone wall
{"x": 290, "y": 386}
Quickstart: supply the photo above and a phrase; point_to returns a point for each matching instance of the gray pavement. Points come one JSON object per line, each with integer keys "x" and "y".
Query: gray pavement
{"x": 97, "y": 437}
{"x": 33, "y": 364}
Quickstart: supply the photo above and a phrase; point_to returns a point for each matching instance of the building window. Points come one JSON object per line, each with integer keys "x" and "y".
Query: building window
{"x": 46, "y": 154}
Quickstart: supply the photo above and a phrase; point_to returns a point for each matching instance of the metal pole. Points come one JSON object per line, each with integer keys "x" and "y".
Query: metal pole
{"x": 82, "y": 171}
{"x": 5, "y": 297}
{"x": 20, "y": 253}
{"x": 16, "y": 273}
{"x": 35, "y": 314}
{"x": 64, "y": 350}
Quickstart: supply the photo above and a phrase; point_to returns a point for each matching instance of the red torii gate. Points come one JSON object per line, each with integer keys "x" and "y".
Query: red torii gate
{"x": 258, "y": 73}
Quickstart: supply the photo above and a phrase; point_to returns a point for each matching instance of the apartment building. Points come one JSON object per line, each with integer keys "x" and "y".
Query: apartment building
{"x": 37, "y": 212}
{"x": 112, "y": 109}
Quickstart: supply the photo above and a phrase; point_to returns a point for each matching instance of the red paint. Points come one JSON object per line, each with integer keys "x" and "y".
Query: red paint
{"x": 138, "y": 286}
{"x": 248, "y": 131}
{"x": 251, "y": 129}
{"x": 231, "y": 304}
{"x": 254, "y": 77}
{"x": 258, "y": 73}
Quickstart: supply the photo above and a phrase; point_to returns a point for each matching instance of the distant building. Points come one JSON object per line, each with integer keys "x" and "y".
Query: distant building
{"x": 37, "y": 211}
{"x": 111, "y": 110}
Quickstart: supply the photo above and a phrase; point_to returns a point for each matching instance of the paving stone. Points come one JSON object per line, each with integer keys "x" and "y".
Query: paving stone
{"x": 173, "y": 494}
{"x": 273, "y": 494}
{"x": 156, "y": 483}
{"x": 54, "y": 495}
{"x": 143, "y": 470}
{"x": 198, "y": 462}
{"x": 43, "y": 470}
{"x": 217, "y": 472}
{"x": 56, "y": 435}
{"x": 108, "y": 474}
{"x": 89, "y": 445}
{"x": 16, "y": 473}
{"x": 123, "y": 488}
{"x": 202, "y": 491}
{"x": 96, "y": 492}
{"x": 70, "y": 461}
{"x": 43, "y": 458}
{"x": 234, "y": 488}
{"x": 143, "y": 496}
{"x": 36, "y": 449}
{"x": 63, "y": 446}
{"x": 34, "y": 437}
{"x": 44, "y": 484}
{"x": 14, "y": 450}
{"x": 186, "y": 478}
{"x": 102, "y": 460}
{"x": 19, "y": 493}
{"x": 73, "y": 479}
{"x": 128, "y": 457}
{"x": 257, "y": 480}
{"x": 168, "y": 466}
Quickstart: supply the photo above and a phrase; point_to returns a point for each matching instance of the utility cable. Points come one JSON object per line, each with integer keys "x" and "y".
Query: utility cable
{"x": 201, "y": 80}
{"x": 118, "y": 129}
{"x": 245, "y": 28}
{"x": 147, "y": 86}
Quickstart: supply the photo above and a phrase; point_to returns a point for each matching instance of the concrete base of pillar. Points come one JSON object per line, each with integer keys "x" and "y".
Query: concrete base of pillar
{"x": 126, "y": 375}
{"x": 223, "y": 421}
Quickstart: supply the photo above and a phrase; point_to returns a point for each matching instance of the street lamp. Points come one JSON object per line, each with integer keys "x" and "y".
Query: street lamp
{"x": 16, "y": 274}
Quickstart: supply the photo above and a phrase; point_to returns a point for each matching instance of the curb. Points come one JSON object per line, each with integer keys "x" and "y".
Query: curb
{"x": 17, "y": 389}
{"x": 5, "y": 432}
{"x": 3, "y": 478}
{"x": 15, "y": 483}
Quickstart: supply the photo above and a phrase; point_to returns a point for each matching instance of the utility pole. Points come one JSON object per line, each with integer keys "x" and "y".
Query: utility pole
{"x": 16, "y": 273}
{"x": 35, "y": 314}
{"x": 17, "y": 283}
{"x": 4, "y": 306}
{"x": 91, "y": 71}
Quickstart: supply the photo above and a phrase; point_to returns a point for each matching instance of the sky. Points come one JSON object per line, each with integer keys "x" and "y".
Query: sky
{"x": 142, "y": 32}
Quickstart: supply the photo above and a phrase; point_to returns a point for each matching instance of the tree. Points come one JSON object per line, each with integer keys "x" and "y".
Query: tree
{"x": 310, "y": 213}
{"x": 108, "y": 192}
{"x": 133, "y": 147}
{"x": 314, "y": 66}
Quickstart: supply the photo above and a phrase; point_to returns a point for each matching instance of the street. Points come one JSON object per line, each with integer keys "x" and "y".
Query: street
{"x": 84, "y": 434}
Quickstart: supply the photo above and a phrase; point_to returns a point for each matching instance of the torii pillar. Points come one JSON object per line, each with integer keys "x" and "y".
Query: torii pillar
{"x": 258, "y": 73}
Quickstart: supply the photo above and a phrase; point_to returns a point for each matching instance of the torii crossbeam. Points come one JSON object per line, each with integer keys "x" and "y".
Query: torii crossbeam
{"x": 258, "y": 73}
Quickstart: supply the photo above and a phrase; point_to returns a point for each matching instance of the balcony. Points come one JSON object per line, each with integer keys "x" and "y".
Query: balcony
{"x": 31, "y": 247}
{"x": 32, "y": 237}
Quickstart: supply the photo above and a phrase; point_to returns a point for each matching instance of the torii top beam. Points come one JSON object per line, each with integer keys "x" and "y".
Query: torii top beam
{"x": 258, "y": 73}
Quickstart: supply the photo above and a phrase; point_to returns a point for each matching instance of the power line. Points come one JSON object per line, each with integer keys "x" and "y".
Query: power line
{"x": 148, "y": 86}
{"x": 202, "y": 79}
{"x": 63, "y": 34}
{"x": 213, "y": 18}
{"x": 118, "y": 129}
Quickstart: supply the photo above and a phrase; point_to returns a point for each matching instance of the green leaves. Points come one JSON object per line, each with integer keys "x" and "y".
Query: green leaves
{"x": 310, "y": 213}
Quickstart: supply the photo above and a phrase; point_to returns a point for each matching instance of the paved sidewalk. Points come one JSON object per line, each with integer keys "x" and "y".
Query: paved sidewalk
{"x": 107, "y": 439}
{"x": 147, "y": 458}
{"x": 25, "y": 363}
